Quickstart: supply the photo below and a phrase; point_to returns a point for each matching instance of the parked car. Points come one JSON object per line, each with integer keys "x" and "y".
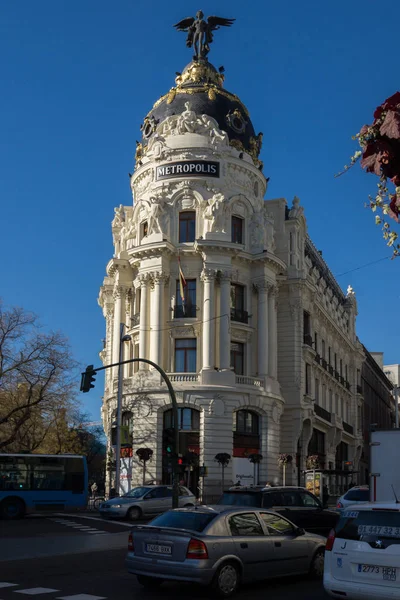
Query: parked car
{"x": 145, "y": 501}
{"x": 221, "y": 547}
{"x": 354, "y": 495}
{"x": 294, "y": 503}
{"x": 362, "y": 558}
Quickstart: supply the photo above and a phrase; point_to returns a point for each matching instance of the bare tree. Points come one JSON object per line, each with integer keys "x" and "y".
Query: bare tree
{"x": 36, "y": 379}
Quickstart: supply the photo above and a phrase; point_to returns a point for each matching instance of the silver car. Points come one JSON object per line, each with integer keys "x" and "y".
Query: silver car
{"x": 145, "y": 501}
{"x": 222, "y": 546}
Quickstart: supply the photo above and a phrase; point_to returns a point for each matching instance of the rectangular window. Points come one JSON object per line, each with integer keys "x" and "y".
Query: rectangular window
{"x": 136, "y": 355}
{"x": 317, "y": 391}
{"x": 331, "y": 408}
{"x": 335, "y": 362}
{"x": 131, "y": 355}
{"x": 341, "y": 368}
{"x": 188, "y": 307}
{"x": 306, "y": 323}
{"x": 316, "y": 342}
{"x": 323, "y": 349}
{"x": 324, "y": 397}
{"x": 329, "y": 356}
{"x": 346, "y": 373}
{"x": 237, "y": 304}
{"x": 337, "y": 404}
{"x": 187, "y": 226}
{"x": 237, "y": 230}
{"x": 237, "y": 358}
{"x": 144, "y": 229}
{"x": 185, "y": 355}
{"x": 308, "y": 379}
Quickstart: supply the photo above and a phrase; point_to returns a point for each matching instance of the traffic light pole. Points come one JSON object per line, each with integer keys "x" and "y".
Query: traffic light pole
{"x": 175, "y": 485}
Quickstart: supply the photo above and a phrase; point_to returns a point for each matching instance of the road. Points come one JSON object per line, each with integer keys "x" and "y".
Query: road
{"x": 66, "y": 569}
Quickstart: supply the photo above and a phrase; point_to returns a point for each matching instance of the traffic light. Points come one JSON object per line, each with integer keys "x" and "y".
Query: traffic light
{"x": 169, "y": 441}
{"x": 180, "y": 461}
{"x": 88, "y": 379}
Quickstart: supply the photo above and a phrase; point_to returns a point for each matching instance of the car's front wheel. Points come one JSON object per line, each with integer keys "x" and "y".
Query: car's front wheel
{"x": 149, "y": 582}
{"x": 226, "y": 580}
{"x": 134, "y": 513}
{"x": 317, "y": 564}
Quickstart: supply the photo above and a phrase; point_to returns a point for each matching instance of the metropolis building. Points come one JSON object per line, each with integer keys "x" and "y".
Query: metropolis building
{"x": 226, "y": 292}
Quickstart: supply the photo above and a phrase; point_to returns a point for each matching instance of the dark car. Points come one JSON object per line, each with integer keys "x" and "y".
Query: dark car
{"x": 295, "y": 503}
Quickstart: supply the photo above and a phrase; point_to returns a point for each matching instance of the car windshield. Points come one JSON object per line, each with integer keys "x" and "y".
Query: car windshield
{"x": 137, "y": 492}
{"x": 357, "y": 495}
{"x": 194, "y": 521}
{"x": 357, "y": 524}
{"x": 240, "y": 499}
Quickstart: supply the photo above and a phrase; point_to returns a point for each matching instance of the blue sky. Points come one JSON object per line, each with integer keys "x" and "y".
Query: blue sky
{"x": 77, "y": 78}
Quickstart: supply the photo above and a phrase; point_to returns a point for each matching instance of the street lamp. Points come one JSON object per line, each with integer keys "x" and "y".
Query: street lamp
{"x": 123, "y": 338}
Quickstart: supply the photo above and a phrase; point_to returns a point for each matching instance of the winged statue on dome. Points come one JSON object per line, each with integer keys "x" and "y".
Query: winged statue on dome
{"x": 200, "y": 32}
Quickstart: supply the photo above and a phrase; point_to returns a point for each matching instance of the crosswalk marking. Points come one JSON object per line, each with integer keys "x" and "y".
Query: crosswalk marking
{"x": 79, "y": 526}
{"x": 82, "y": 597}
{"x": 35, "y": 591}
{"x": 5, "y": 584}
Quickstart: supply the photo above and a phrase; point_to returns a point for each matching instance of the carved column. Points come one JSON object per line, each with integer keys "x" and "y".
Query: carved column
{"x": 208, "y": 341}
{"x": 272, "y": 332}
{"x": 109, "y": 314}
{"x": 225, "y": 319}
{"x": 156, "y": 337}
{"x": 144, "y": 319}
{"x": 119, "y": 317}
{"x": 262, "y": 329}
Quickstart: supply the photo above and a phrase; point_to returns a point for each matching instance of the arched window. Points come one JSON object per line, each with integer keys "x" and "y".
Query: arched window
{"x": 246, "y": 422}
{"x": 188, "y": 419}
{"x": 127, "y": 420}
{"x": 246, "y": 433}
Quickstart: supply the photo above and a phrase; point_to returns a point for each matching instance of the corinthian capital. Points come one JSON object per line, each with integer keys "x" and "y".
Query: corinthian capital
{"x": 224, "y": 276}
{"x": 262, "y": 285}
{"x": 144, "y": 279}
{"x": 159, "y": 277}
{"x": 120, "y": 291}
{"x": 208, "y": 274}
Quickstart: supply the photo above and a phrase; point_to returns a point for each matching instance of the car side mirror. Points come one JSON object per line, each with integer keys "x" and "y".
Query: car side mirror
{"x": 299, "y": 531}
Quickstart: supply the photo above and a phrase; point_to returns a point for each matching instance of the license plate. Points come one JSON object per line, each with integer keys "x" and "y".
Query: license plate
{"x": 385, "y": 531}
{"x": 158, "y": 549}
{"x": 385, "y": 573}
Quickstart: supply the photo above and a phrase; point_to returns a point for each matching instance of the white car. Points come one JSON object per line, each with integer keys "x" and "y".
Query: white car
{"x": 353, "y": 496}
{"x": 362, "y": 554}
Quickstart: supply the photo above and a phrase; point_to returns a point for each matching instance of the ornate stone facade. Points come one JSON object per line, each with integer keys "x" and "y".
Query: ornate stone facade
{"x": 234, "y": 348}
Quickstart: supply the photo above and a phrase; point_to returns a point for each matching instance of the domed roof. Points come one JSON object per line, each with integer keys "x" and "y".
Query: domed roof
{"x": 201, "y": 84}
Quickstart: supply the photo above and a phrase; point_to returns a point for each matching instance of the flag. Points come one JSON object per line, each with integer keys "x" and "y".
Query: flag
{"x": 182, "y": 283}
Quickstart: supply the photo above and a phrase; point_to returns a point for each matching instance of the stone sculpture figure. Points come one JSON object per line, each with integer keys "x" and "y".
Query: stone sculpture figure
{"x": 216, "y": 212}
{"x": 187, "y": 121}
{"x": 155, "y": 212}
{"x": 200, "y": 32}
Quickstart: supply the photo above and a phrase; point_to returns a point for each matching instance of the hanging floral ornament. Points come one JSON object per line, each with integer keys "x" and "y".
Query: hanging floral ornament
{"x": 380, "y": 155}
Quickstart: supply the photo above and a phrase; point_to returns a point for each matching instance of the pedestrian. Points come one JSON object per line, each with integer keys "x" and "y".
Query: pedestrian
{"x": 94, "y": 489}
{"x": 268, "y": 484}
{"x": 325, "y": 494}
